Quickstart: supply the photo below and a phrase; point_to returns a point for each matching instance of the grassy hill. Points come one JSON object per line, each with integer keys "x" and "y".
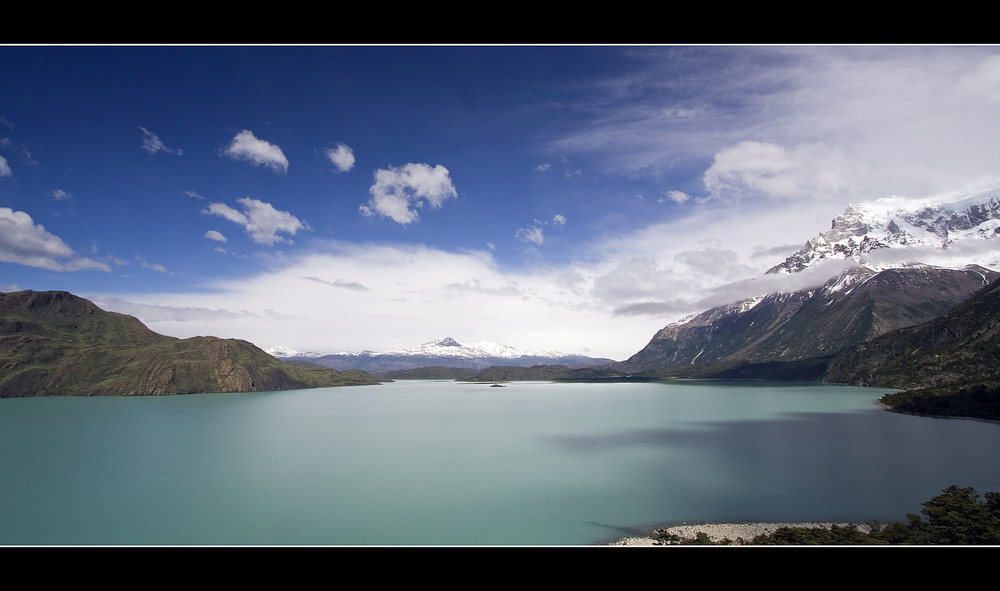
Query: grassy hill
{"x": 54, "y": 343}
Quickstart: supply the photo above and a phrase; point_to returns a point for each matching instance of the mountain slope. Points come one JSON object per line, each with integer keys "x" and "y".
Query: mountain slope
{"x": 946, "y": 367}
{"x": 959, "y": 347}
{"x": 55, "y": 343}
{"x": 850, "y": 309}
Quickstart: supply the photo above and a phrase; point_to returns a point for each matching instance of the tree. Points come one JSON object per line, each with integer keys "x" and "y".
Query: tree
{"x": 958, "y": 517}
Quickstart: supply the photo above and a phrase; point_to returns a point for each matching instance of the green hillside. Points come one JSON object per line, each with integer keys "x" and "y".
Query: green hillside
{"x": 54, "y": 344}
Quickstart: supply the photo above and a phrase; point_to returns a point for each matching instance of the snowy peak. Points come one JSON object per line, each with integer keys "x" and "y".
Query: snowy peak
{"x": 930, "y": 226}
{"x": 449, "y": 347}
{"x": 283, "y": 351}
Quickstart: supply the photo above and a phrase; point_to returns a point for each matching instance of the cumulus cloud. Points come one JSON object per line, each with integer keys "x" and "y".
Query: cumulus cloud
{"x": 152, "y": 144}
{"x": 246, "y": 146}
{"x": 26, "y": 243}
{"x": 342, "y": 157}
{"x": 261, "y": 221}
{"x": 398, "y": 192}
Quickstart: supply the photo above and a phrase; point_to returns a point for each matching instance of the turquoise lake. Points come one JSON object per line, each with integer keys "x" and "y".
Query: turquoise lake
{"x": 447, "y": 463}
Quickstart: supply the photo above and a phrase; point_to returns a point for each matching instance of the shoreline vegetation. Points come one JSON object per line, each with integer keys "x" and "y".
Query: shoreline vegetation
{"x": 956, "y": 517}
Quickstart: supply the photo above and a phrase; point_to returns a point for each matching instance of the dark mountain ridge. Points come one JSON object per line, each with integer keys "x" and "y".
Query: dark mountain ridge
{"x": 56, "y": 343}
{"x": 848, "y": 310}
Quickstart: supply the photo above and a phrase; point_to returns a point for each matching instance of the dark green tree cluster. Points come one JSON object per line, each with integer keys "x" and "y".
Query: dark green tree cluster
{"x": 955, "y": 517}
{"x": 979, "y": 400}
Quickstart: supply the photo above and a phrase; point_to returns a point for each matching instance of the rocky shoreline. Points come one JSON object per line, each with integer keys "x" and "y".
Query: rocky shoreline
{"x": 738, "y": 533}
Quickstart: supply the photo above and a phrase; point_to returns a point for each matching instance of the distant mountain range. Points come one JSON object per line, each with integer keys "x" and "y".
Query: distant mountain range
{"x": 445, "y": 352}
{"x": 55, "y": 343}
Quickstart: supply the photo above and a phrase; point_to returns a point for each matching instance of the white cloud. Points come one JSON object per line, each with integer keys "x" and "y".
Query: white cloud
{"x": 151, "y": 266}
{"x": 261, "y": 221}
{"x": 399, "y": 191}
{"x": 861, "y": 122}
{"x": 152, "y": 144}
{"x": 26, "y": 243}
{"x": 5, "y": 168}
{"x": 533, "y": 234}
{"x": 215, "y": 235}
{"x": 760, "y": 169}
{"x": 342, "y": 157}
{"x": 678, "y": 196}
{"x": 246, "y": 146}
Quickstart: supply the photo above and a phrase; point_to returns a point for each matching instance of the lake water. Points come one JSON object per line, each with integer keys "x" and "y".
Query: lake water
{"x": 449, "y": 463}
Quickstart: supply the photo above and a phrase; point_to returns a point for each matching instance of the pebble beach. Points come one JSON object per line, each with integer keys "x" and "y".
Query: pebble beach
{"x": 718, "y": 532}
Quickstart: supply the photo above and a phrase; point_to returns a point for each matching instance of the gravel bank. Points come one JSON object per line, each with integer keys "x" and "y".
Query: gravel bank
{"x": 720, "y": 531}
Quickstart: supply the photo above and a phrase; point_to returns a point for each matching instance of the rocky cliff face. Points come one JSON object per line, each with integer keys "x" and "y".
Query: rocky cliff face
{"x": 55, "y": 343}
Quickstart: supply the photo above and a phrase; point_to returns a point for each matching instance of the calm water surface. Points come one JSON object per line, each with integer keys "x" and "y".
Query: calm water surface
{"x": 447, "y": 463}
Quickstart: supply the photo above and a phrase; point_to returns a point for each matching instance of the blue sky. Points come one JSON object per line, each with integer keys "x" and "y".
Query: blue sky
{"x": 568, "y": 198}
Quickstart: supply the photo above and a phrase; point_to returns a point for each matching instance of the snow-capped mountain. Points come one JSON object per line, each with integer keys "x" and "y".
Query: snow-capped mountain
{"x": 966, "y": 226}
{"x": 449, "y": 347}
{"x": 905, "y": 264}
{"x": 440, "y": 352}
